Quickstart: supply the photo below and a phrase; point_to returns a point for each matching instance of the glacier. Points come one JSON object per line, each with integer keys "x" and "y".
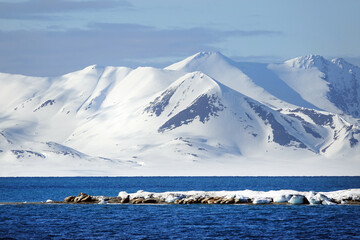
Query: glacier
{"x": 204, "y": 115}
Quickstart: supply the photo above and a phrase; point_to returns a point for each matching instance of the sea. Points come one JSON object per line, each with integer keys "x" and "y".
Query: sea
{"x": 171, "y": 221}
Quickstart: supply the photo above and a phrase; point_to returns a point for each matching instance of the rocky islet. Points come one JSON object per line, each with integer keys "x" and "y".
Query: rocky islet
{"x": 351, "y": 196}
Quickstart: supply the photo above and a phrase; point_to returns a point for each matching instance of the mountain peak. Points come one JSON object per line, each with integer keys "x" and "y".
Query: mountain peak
{"x": 211, "y": 58}
{"x": 92, "y": 67}
{"x": 207, "y": 54}
{"x": 307, "y": 61}
{"x": 88, "y": 69}
{"x": 154, "y": 121}
{"x": 342, "y": 63}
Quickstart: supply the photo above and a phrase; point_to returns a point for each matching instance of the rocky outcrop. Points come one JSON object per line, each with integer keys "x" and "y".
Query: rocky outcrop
{"x": 69, "y": 199}
{"x": 126, "y": 199}
{"x": 142, "y": 197}
{"x": 81, "y": 198}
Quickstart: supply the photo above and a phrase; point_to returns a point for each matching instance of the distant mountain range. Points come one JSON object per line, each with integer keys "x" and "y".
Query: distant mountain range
{"x": 205, "y": 115}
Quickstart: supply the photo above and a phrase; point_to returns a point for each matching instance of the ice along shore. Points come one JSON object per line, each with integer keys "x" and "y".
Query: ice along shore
{"x": 348, "y": 196}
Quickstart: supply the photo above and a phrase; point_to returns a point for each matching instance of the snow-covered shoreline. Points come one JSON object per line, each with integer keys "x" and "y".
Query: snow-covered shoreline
{"x": 248, "y": 196}
{"x": 343, "y": 197}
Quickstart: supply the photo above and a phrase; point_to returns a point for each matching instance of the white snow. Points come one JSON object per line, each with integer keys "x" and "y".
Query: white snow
{"x": 255, "y": 197}
{"x": 206, "y": 115}
{"x": 224, "y": 70}
{"x": 281, "y": 198}
{"x": 102, "y": 201}
{"x": 297, "y": 199}
{"x": 329, "y": 85}
{"x": 123, "y": 194}
{"x": 262, "y": 200}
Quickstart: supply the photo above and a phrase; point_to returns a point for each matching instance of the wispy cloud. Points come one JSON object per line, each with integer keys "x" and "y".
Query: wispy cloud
{"x": 44, "y": 52}
{"x": 40, "y": 9}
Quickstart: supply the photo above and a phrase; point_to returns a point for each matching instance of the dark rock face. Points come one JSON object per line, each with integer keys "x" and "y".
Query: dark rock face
{"x": 280, "y": 135}
{"x": 158, "y": 105}
{"x": 345, "y": 96}
{"x": 310, "y": 130}
{"x": 44, "y": 104}
{"x": 306, "y": 201}
{"x": 343, "y": 82}
{"x": 150, "y": 200}
{"x": 353, "y": 140}
{"x": 203, "y": 107}
{"x": 66, "y": 151}
{"x": 246, "y": 200}
{"x": 28, "y": 153}
{"x": 318, "y": 118}
{"x": 126, "y": 200}
{"x": 324, "y": 120}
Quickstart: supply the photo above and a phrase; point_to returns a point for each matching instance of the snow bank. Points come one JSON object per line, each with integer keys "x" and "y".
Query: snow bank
{"x": 247, "y": 196}
{"x": 297, "y": 199}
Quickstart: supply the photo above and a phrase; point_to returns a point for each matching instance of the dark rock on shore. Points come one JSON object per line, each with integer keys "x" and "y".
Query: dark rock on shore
{"x": 137, "y": 200}
{"x": 150, "y": 200}
{"x": 114, "y": 200}
{"x": 125, "y": 198}
{"x": 81, "y": 198}
{"x": 69, "y": 199}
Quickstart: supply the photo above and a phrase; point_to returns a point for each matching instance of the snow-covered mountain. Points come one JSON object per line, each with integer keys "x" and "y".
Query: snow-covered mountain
{"x": 205, "y": 115}
{"x": 329, "y": 85}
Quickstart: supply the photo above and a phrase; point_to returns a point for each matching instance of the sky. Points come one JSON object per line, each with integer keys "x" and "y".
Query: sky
{"x": 54, "y": 37}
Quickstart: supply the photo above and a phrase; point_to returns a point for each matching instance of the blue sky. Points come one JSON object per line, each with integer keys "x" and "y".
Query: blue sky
{"x": 53, "y": 37}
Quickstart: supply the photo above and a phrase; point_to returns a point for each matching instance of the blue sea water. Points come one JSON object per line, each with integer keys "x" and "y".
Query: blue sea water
{"x": 172, "y": 221}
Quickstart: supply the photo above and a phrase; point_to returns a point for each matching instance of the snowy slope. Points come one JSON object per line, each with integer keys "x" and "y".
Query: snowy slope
{"x": 206, "y": 115}
{"x": 253, "y": 80}
{"x": 332, "y": 86}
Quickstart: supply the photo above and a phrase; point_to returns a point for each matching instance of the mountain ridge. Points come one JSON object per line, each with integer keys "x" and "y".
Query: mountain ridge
{"x": 148, "y": 121}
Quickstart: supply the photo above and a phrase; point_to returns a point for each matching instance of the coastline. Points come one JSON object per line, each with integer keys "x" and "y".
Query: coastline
{"x": 249, "y": 197}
